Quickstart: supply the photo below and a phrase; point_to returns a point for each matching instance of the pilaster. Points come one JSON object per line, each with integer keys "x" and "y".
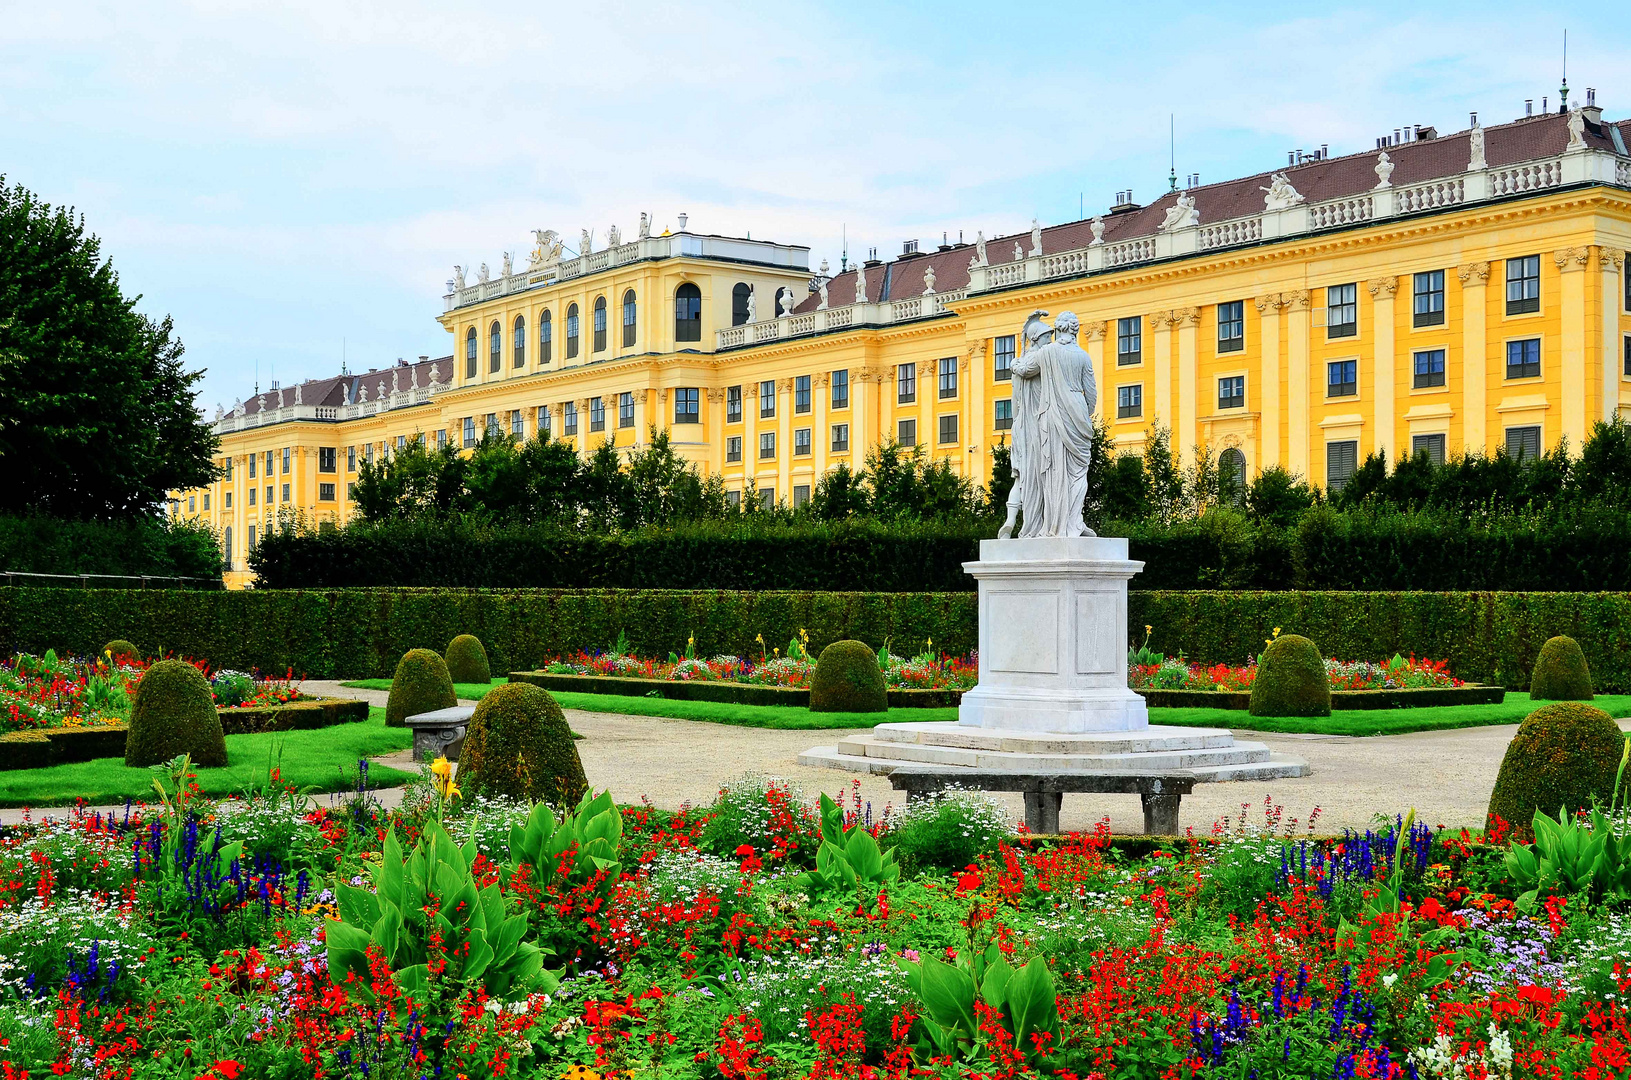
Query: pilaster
{"x": 1184, "y": 433}
{"x": 1573, "y": 338}
{"x": 1297, "y": 361}
{"x": 978, "y": 432}
{"x": 1382, "y": 291}
{"x": 715, "y": 436}
{"x": 1474, "y": 356}
{"x": 1159, "y": 363}
{"x": 750, "y": 432}
{"x": 784, "y": 439}
{"x": 1268, "y": 388}
{"x": 1612, "y": 265}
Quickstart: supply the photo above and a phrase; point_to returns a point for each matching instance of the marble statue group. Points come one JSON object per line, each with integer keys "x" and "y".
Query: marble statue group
{"x": 1054, "y": 398}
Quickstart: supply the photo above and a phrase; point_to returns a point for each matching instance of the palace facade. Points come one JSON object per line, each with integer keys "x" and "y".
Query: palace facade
{"x": 1438, "y": 293}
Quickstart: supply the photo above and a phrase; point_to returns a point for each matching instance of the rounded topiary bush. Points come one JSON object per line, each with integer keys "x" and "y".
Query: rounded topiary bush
{"x": 1291, "y": 680}
{"x": 421, "y": 684}
{"x": 467, "y": 660}
{"x": 518, "y": 745}
{"x": 1562, "y": 756}
{"x": 1560, "y": 673}
{"x": 847, "y": 679}
{"x": 174, "y": 713}
{"x": 120, "y": 649}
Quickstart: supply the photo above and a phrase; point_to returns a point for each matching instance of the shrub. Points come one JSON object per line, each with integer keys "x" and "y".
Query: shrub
{"x": 847, "y": 679}
{"x": 174, "y": 713}
{"x": 467, "y": 660}
{"x": 946, "y": 831}
{"x": 120, "y": 649}
{"x": 1563, "y": 755}
{"x": 1291, "y": 680}
{"x": 518, "y": 745}
{"x": 1560, "y": 672}
{"x": 421, "y": 684}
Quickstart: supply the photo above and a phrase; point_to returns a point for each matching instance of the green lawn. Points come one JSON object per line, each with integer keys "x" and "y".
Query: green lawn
{"x": 1367, "y": 722}
{"x": 324, "y": 760}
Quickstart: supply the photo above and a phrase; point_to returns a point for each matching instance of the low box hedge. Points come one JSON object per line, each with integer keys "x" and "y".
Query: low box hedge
{"x": 301, "y": 715}
{"x": 734, "y": 693}
{"x": 1340, "y": 699}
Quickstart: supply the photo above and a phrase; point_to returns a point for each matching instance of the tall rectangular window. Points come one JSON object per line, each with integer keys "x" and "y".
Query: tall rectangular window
{"x": 252, "y": 492}
{"x": 733, "y": 448}
{"x": 600, "y": 325}
{"x": 569, "y": 418}
{"x": 1427, "y": 298}
{"x": 1002, "y": 358}
{"x": 948, "y": 429}
{"x": 625, "y": 409}
{"x": 1003, "y": 413}
{"x": 801, "y": 495}
{"x": 1523, "y": 443}
{"x": 543, "y": 421}
{"x": 906, "y": 432}
{"x": 840, "y": 438}
{"x": 801, "y": 394}
{"x": 905, "y": 383}
{"x": 1341, "y": 311}
{"x": 1232, "y": 392}
{"x": 518, "y": 424}
{"x": 285, "y": 461}
{"x": 948, "y": 377}
{"x": 1429, "y": 368}
{"x": 285, "y": 492}
{"x": 767, "y": 444}
{"x": 733, "y": 404}
{"x": 1129, "y": 401}
{"x": 206, "y": 500}
{"x": 469, "y": 433}
{"x": 801, "y": 442}
{"x": 490, "y": 428}
{"x": 687, "y": 405}
{"x": 1627, "y": 362}
{"x": 1523, "y": 285}
{"x": 228, "y": 463}
{"x": 1341, "y": 461}
{"x": 192, "y": 504}
{"x": 350, "y": 459}
{"x": 226, "y": 500}
{"x": 441, "y": 438}
{"x": 840, "y": 389}
{"x": 1342, "y": 378}
{"x": 597, "y": 414}
{"x": 1232, "y": 326}
{"x": 327, "y": 459}
{"x": 1523, "y": 359}
{"x": 1130, "y": 340}
{"x": 251, "y": 538}
{"x": 767, "y": 398}
{"x": 253, "y": 460}
{"x": 767, "y": 498}
{"x": 1431, "y": 445}
{"x": 325, "y": 492}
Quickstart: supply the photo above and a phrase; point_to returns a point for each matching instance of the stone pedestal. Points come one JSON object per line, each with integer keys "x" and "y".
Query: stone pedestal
{"x": 1053, "y": 637}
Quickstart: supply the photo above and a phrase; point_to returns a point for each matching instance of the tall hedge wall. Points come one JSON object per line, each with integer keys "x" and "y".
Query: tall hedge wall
{"x": 1486, "y": 637}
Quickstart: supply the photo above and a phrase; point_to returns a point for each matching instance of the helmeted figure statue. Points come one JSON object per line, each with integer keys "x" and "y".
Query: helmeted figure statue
{"x": 1054, "y": 398}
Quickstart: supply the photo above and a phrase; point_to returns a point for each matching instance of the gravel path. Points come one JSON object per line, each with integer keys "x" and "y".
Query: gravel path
{"x": 1445, "y": 775}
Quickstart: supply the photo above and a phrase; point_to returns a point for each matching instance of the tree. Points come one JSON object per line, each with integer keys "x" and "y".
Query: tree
{"x": 1166, "y": 484}
{"x": 1278, "y": 497}
{"x": 97, "y": 417}
{"x": 838, "y": 495}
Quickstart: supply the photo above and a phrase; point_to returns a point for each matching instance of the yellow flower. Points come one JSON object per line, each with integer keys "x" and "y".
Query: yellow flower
{"x": 1276, "y": 631}
{"x": 441, "y": 770}
{"x": 1148, "y": 628}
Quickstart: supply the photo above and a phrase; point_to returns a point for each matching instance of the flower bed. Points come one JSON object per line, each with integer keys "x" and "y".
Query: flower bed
{"x": 1401, "y": 683}
{"x": 245, "y": 939}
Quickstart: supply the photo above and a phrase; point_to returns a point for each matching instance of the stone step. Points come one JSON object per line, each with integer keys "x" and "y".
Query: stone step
{"x": 1030, "y": 742}
{"x": 1235, "y": 754}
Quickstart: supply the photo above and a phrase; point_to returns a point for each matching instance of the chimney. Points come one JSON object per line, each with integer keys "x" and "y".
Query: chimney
{"x": 422, "y": 359}
{"x": 1325, "y": 151}
{"x": 1594, "y": 115}
{"x": 682, "y": 222}
{"x": 1529, "y": 106}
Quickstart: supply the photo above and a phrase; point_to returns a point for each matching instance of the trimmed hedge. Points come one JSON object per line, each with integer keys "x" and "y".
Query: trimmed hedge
{"x": 303, "y": 715}
{"x": 518, "y": 745}
{"x": 1341, "y": 700}
{"x": 466, "y": 660}
{"x": 847, "y": 679}
{"x": 734, "y": 693}
{"x": 1561, "y": 672}
{"x": 421, "y": 684}
{"x": 1563, "y": 756}
{"x": 1489, "y": 638}
{"x": 174, "y": 713}
{"x": 1291, "y": 680}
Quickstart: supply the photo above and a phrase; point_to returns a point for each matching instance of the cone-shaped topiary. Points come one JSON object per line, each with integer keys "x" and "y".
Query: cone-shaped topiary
{"x": 120, "y": 649}
{"x": 1291, "y": 680}
{"x": 467, "y": 660}
{"x": 1560, "y": 673}
{"x": 847, "y": 679}
{"x": 174, "y": 713}
{"x": 518, "y": 745}
{"x": 1562, "y": 756}
{"x": 421, "y": 684}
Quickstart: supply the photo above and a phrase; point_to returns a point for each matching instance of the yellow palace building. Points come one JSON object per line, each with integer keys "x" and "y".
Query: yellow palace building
{"x": 1436, "y": 293}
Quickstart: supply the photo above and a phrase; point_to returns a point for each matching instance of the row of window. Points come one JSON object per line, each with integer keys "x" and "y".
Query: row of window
{"x": 1342, "y": 458}
{"x": 905, "y": 433}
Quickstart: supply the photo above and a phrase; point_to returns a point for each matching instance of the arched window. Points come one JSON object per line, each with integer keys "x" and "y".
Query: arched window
{"x": 470, "y": 354}
{"x": 739, "y": 303}
{"x": 688, "y": 313}
{"x": 520, "y": 341}
{"x": 546, "y": 337}
{"x": 1232, "y": 477}
{"x": 571, "y": 331}
{"x": 600, "y": 324}
{"x": 495, "y": 343}
{"x": 628, "y": 318}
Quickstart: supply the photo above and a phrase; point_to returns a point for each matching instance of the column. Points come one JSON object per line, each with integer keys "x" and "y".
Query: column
{"x": 1184, "y": 434}
{"x": 1612, "y": 265}
{"x": 1269, "y": 380}
{"x": 784, "y": 440}
{"x": 642, "y": 398}
{"x": 1093, "y": 342}
{"x": 1571, "y": 264}
{"x": 1382, "y": 290}
{"x": 862, "y": 395}
{"x": 1474, "y": 357}
{"x": 583, "y": 426}
{"x": 968, "y": 434}
{"x": 715, "y": 433}
{"x": 1159, "y": 362}
{"x": 750, "y": 432}
{"x": 820, "y": 422}
{"x": 1297, "y": 361}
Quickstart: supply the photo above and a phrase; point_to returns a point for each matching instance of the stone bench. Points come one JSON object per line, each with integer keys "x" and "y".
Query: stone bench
{"x": 1044, "y": 791}
{"x": 440, "y": 732}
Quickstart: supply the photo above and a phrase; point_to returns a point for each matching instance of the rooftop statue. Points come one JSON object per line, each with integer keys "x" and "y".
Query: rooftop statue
{"x": 1280, "y": 193}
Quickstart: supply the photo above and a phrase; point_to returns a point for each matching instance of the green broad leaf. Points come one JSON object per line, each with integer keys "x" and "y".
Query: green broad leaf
{"x": 948, "y": 997}
{"x": 506, "y": 937}
{"x": 414, "y": 981}
{"x": 1033, "y": 1004}
{"x": 358, "y": 906}
{"x": 862, "y": 854}
{"x": 994, "y": 984}
{"x": 387, "y": 934}
{"x": 390, "y": 873}
{"x": 347, "y": 952}
{"x": 477, "y": 957}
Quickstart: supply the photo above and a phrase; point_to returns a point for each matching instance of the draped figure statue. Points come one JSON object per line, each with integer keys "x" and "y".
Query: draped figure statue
{"x": 1054, "y": 398}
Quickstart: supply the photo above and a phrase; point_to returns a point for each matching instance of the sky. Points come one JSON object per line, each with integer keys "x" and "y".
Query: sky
{"x": 292, "y": 183}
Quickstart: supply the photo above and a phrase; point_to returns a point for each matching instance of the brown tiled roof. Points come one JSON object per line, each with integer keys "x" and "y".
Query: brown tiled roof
{"x": 333, "y": 390}
{"x": 1526, "y": 139}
